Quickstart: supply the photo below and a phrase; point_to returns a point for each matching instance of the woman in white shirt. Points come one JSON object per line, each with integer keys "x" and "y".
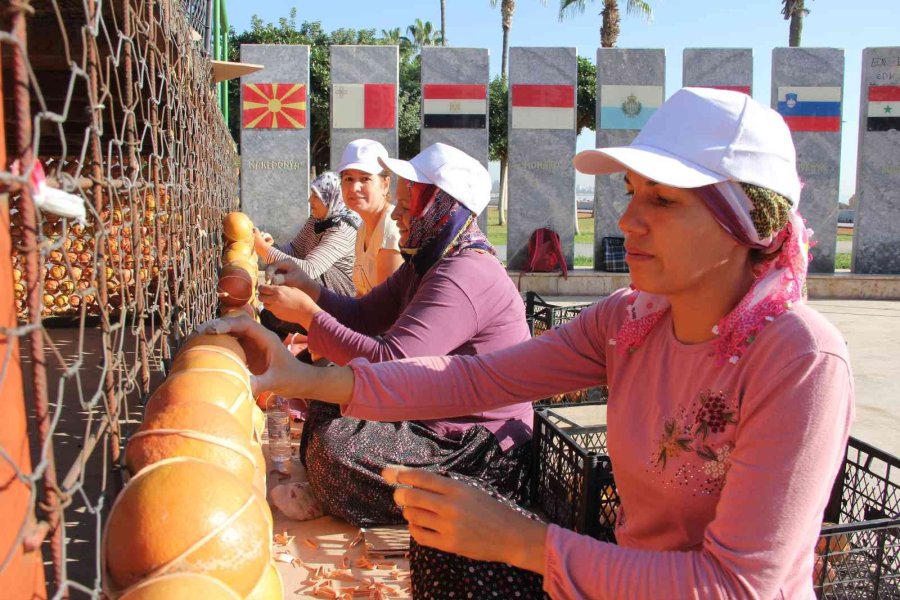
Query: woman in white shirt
{"x": 366, "y": 189}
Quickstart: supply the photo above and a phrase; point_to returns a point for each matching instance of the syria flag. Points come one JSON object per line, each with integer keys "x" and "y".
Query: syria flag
{"x": 883, "y": 108}
{"x": 364, "y": 105}
{"x": 543, "y": 106}
{"x": 454, "y": 106}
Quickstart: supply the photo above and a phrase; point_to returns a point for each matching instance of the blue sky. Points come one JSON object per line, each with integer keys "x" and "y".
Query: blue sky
{"x": 677, "y": 24}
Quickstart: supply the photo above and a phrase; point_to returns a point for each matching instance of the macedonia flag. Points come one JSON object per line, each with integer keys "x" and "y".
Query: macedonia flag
{"x": 274, "y": 106}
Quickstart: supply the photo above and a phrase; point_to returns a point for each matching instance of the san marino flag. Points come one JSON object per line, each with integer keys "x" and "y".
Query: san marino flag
{"x": 628, "y": 106}
{"x": 810, "y": 108}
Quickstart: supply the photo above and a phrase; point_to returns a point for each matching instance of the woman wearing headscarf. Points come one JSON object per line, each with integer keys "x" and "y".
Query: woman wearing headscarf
{"x": 451, "y": 296}
{"x": 324, "y": 246}
{"x": 730, "y": 399}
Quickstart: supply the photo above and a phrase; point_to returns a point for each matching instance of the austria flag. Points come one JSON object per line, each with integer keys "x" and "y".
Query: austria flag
{"x": 364, "y": 105}
{"x": 454, "y": 106}
{"x": 543, "y": 106}
{"x": 883, "y": 109}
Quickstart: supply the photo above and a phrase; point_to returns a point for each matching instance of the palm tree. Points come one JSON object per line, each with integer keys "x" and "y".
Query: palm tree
{"x": 609, "y": 26}
{"x": 423, "y": 34}
{"x": 794, "y": 10}
{"x": 443, "y": 23}
{"x": 392, "y": 37}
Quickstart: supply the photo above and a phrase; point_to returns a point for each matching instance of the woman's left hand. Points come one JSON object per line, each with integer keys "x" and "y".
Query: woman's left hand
{"x": 455, "y": 517}
{"x": 288, "y": 304}
{"x": 261, "y": 242}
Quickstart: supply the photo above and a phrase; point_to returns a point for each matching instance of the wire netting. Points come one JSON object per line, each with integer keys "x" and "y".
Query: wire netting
{"x": 115, "y": 101}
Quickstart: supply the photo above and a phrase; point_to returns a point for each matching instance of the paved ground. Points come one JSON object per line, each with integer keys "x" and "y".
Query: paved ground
{"x": 872, "y": 331}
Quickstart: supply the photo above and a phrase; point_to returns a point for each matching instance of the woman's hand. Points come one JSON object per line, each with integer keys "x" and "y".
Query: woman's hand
{"x": 261, "y": 242}
{"x": 455, "y": 517}
{"x": 272, "y": 366}
{"x": 288, "y": 304}
{"x": 289, "y": 273}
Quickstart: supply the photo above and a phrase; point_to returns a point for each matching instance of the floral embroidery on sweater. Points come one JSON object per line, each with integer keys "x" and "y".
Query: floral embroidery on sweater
{"x": 697, "y": 445}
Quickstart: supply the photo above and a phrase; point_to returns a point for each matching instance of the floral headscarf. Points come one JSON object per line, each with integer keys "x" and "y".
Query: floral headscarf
{"x": 327, "y": 187}
{"x": 440, "y": 227}
{"x": 757, "y": 218}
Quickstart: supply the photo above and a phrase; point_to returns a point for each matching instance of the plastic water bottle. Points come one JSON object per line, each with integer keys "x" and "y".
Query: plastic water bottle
{"x": 278, "y": 422}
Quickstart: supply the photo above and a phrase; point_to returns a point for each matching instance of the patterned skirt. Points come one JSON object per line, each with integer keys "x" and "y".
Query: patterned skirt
{"x": 344, "y": 458}
{"x": 439, "y": 575}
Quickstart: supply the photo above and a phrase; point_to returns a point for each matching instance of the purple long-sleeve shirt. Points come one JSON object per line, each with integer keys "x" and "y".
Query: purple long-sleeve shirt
{"x": 466, "y": 304}
{"x": 723, "y": 471}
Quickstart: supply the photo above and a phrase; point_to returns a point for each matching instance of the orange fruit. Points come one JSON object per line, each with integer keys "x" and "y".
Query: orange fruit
{"x": 182, "y": 586}
{"x": 238, "y": 227}
{"x": 269, "y": 586}
{"x": 235, "y": 286}
{"x": 186, "y": 515}
{"x": 210, "y": 357}
{"x": 219, "y": 387}
{"x": 245, "y": 249}
{"x": 197, "y": 429}
{"x": 209, "y": 339}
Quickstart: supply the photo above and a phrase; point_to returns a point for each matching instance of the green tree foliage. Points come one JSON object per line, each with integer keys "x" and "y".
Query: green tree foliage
{"x": 498, "y": 118}
{"x": 286, "y": 31}
{"x": 586, "y": 92}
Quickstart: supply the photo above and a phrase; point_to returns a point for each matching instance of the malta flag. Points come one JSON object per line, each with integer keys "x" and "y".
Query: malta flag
{"x": 543, "y": 106}
{"x": 454, "y": 106}
{"x": 810, "y": 108}
{"x": 883, "y": 110}
{"x": 364, "y": 105}
{"x": 628, "y": 106}
{"x": 274, "y": 106}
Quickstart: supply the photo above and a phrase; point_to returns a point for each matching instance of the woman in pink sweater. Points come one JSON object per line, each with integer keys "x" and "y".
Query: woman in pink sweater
{"x": 730, "y": 400}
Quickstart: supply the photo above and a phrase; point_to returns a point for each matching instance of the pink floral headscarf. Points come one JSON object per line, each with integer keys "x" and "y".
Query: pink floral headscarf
{"x": 779, "y": 283}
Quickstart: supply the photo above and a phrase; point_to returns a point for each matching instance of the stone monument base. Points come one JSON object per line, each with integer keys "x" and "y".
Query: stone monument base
{"x": 587, "y": 282}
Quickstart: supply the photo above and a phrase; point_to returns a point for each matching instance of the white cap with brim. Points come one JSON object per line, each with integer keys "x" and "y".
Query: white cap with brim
{"x": 362, "y": 155}
{"x": 705, "y": 136}
{"x": 450, "y": 169}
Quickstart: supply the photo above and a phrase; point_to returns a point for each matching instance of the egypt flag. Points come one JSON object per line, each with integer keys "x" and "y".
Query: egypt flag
{"x": 883, "y": 108}
{"x": 543, "y": 106}
{"x": 628, "y": 106}
{"x": 274, "y": 106}
{"x": 454, "y": 106}
{"x": 364, "y": 105}
{"x": 810, "y": 108}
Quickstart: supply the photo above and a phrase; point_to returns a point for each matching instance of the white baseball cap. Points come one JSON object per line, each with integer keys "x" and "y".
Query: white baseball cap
{"x": 704, "y": 136}
{"x": 450, "y": 169}
{"x": 362, "y": 155}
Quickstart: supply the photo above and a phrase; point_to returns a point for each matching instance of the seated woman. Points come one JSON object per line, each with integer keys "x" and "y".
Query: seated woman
{"x": 324, "y": 246}
{"x": 730, "y": 399}
{"x": 366, "y": 187}
{"x": 451, "y": 296}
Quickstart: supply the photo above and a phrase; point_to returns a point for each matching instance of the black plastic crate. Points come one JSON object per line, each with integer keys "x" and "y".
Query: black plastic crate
{"x": 858, "y": 555}
{"x": 573, "y": 482}
{"x": 542, "y": 316}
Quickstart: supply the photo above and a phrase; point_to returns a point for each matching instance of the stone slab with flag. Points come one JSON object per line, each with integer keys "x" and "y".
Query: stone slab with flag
{"x": 876, "y": 240}
{"x": 275, "y": 138}
{"x": 364, "y": 88}
{"x": 455, "y": 102}
{"x": 542, "y": 138}
{"x": 807, "y": 90}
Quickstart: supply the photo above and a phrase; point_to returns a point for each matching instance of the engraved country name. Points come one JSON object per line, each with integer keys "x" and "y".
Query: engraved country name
{"x": 454, "y": 106}
{"x": 268, "y": 165}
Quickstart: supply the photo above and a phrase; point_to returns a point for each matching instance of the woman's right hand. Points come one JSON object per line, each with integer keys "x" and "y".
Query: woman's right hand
{"x": 271, "y": 364}
{"x": 262, "y": 242}
{"x": 289, "y": 273}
